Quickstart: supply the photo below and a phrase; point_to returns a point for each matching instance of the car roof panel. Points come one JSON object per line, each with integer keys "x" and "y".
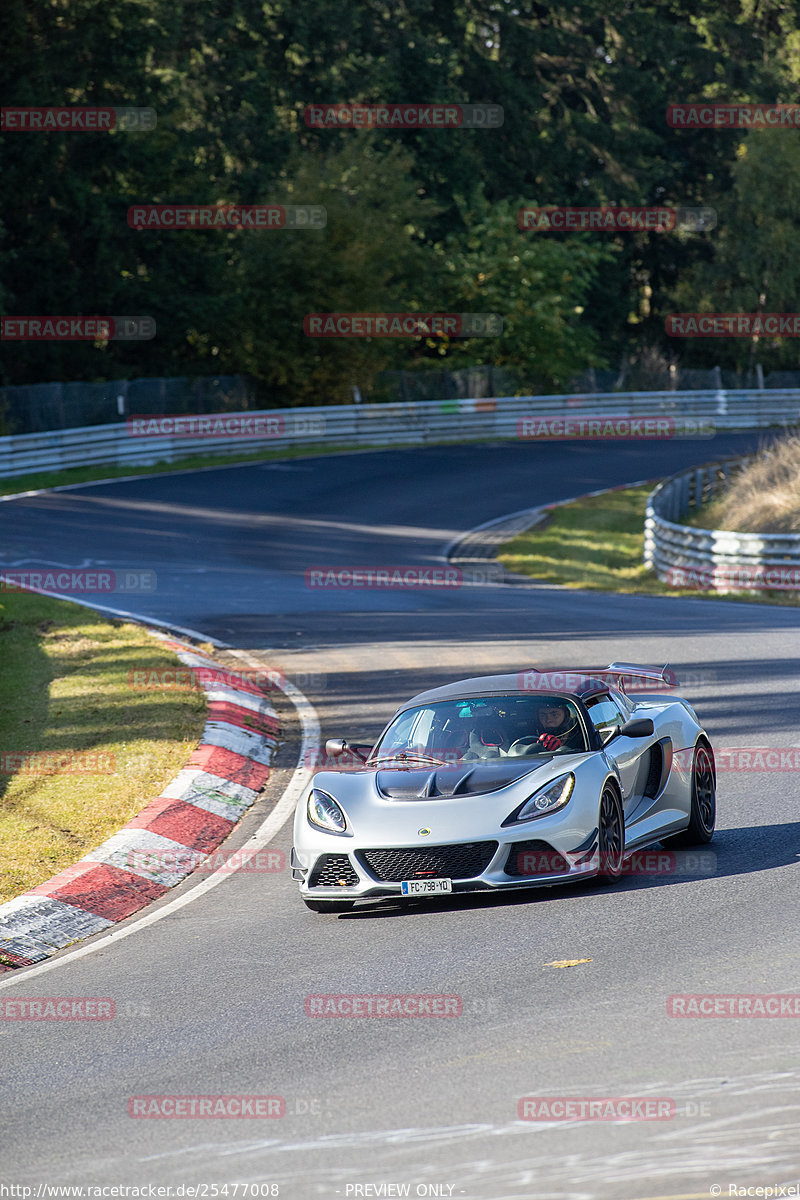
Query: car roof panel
{"x": 501, "y": 685}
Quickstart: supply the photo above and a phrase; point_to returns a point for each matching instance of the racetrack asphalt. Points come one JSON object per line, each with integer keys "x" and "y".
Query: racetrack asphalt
{"x": 210, "y": 999}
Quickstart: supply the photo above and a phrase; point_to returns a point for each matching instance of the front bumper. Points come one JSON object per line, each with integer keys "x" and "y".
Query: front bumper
{"x": 510, "y": 862}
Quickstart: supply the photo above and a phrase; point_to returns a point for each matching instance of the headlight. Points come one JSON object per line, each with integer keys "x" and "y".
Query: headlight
{"x": 324, "y": 813}
{"x": 547, "y": 800}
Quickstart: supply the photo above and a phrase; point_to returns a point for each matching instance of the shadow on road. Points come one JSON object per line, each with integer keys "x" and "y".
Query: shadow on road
{"x": 741, "y": 851}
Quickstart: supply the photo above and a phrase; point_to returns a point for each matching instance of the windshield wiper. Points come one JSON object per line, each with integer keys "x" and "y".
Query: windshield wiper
{"x": 405, "y": 755}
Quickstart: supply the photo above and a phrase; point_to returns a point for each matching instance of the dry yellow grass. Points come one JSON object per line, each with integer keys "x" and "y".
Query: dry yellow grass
{"x": 764, "y": 498}
{"x": 597, "y": 544}
{"x": 64, "y": 678}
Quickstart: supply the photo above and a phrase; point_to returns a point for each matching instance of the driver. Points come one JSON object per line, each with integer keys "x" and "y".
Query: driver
{"x": 559, "y": 726}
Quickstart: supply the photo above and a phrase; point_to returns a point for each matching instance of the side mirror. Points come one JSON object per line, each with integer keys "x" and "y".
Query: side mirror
{"x": 638, "y": 728}
{"x": 334, "y": 747}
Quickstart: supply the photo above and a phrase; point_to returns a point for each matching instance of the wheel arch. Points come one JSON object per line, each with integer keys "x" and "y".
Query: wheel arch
{"x": 615, "y": 784}
{"x": 702, "y": 740}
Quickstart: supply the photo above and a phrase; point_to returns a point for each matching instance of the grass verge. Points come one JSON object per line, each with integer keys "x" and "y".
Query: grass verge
{"x": 596, "y": 545}
{"x": 64, "y": 677}
{"x": 763, "y": 498}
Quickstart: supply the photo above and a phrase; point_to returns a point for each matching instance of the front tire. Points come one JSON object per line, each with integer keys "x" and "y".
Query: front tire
{"x": 328, "y": 906}
{"x": 703, "y": 807}
{"x": 610, "y": 837}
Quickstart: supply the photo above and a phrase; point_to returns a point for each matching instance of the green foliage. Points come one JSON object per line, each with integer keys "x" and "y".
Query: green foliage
{"x": 756, "y": 265}
{"x": 538, "y": 285}
{"x": 371, "y": 257}
{"x": 416, "y": 220}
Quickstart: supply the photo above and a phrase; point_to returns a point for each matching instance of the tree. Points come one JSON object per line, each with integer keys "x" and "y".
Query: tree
{"x": 371, "y": 257}
{"x": 584, "y": 85}
{"x": 539, "y": 287}
{"x": 756, "y": 262}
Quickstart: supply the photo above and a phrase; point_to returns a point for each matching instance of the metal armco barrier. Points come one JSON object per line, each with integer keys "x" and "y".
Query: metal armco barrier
{"x": 724, "y": 560}
{"x": 693, "y": 414}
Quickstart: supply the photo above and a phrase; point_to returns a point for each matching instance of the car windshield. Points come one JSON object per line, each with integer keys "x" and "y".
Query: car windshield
{"x": 482, "y": 728}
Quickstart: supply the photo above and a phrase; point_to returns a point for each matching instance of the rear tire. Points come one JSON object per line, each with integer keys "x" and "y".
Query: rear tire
{"x": 328, "y": 906}
{"x": 610, "y": 837}
{"x": 703, "y": 808}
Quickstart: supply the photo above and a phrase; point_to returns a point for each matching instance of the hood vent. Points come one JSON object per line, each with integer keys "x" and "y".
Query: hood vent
{"x": 466, "y": 779}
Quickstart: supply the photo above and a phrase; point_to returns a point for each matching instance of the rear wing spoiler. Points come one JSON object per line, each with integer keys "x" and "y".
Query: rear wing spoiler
{"x": 616, "y": 674}
{"x": 622, "y": 672}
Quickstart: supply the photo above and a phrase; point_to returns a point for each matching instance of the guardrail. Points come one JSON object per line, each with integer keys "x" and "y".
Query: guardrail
{"x": 719, "y": 559}
{"x": 684, "y": 414}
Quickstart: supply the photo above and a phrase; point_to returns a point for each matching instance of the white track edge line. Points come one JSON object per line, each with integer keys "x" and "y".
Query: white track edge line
{"x": 261, "y": 838}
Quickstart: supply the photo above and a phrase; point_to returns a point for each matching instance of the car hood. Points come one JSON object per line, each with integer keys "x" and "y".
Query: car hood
{"x": 465, "y": 779}
{"x": 391, "y": 806}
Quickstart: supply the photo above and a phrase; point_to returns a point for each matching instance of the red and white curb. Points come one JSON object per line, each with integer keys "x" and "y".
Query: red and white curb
{"x": 167, "y": 840}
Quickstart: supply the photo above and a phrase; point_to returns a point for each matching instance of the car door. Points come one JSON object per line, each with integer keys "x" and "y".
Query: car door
{"x": 631, "y": 755}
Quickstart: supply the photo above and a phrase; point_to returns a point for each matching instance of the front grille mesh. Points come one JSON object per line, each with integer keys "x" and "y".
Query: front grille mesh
{"x": 333, "y": 870}
{"x": 532, "y": 858}
{"x": 463, "y": 861}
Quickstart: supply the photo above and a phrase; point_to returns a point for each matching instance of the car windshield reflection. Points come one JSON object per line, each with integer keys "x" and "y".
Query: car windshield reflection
{"x": 482, "y": 729}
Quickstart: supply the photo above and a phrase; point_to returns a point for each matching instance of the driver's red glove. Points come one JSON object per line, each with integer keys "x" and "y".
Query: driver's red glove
{"x": 550, "y": 741}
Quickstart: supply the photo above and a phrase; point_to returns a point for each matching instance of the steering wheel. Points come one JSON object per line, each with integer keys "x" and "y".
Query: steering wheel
{"x": 524, "y": 745}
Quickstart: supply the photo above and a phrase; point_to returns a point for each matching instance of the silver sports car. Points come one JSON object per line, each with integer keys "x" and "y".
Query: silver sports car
{"x": 507, "y": 781}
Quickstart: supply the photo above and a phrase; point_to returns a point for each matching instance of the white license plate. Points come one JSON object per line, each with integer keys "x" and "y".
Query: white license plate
{"x": 425, "y": 887}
